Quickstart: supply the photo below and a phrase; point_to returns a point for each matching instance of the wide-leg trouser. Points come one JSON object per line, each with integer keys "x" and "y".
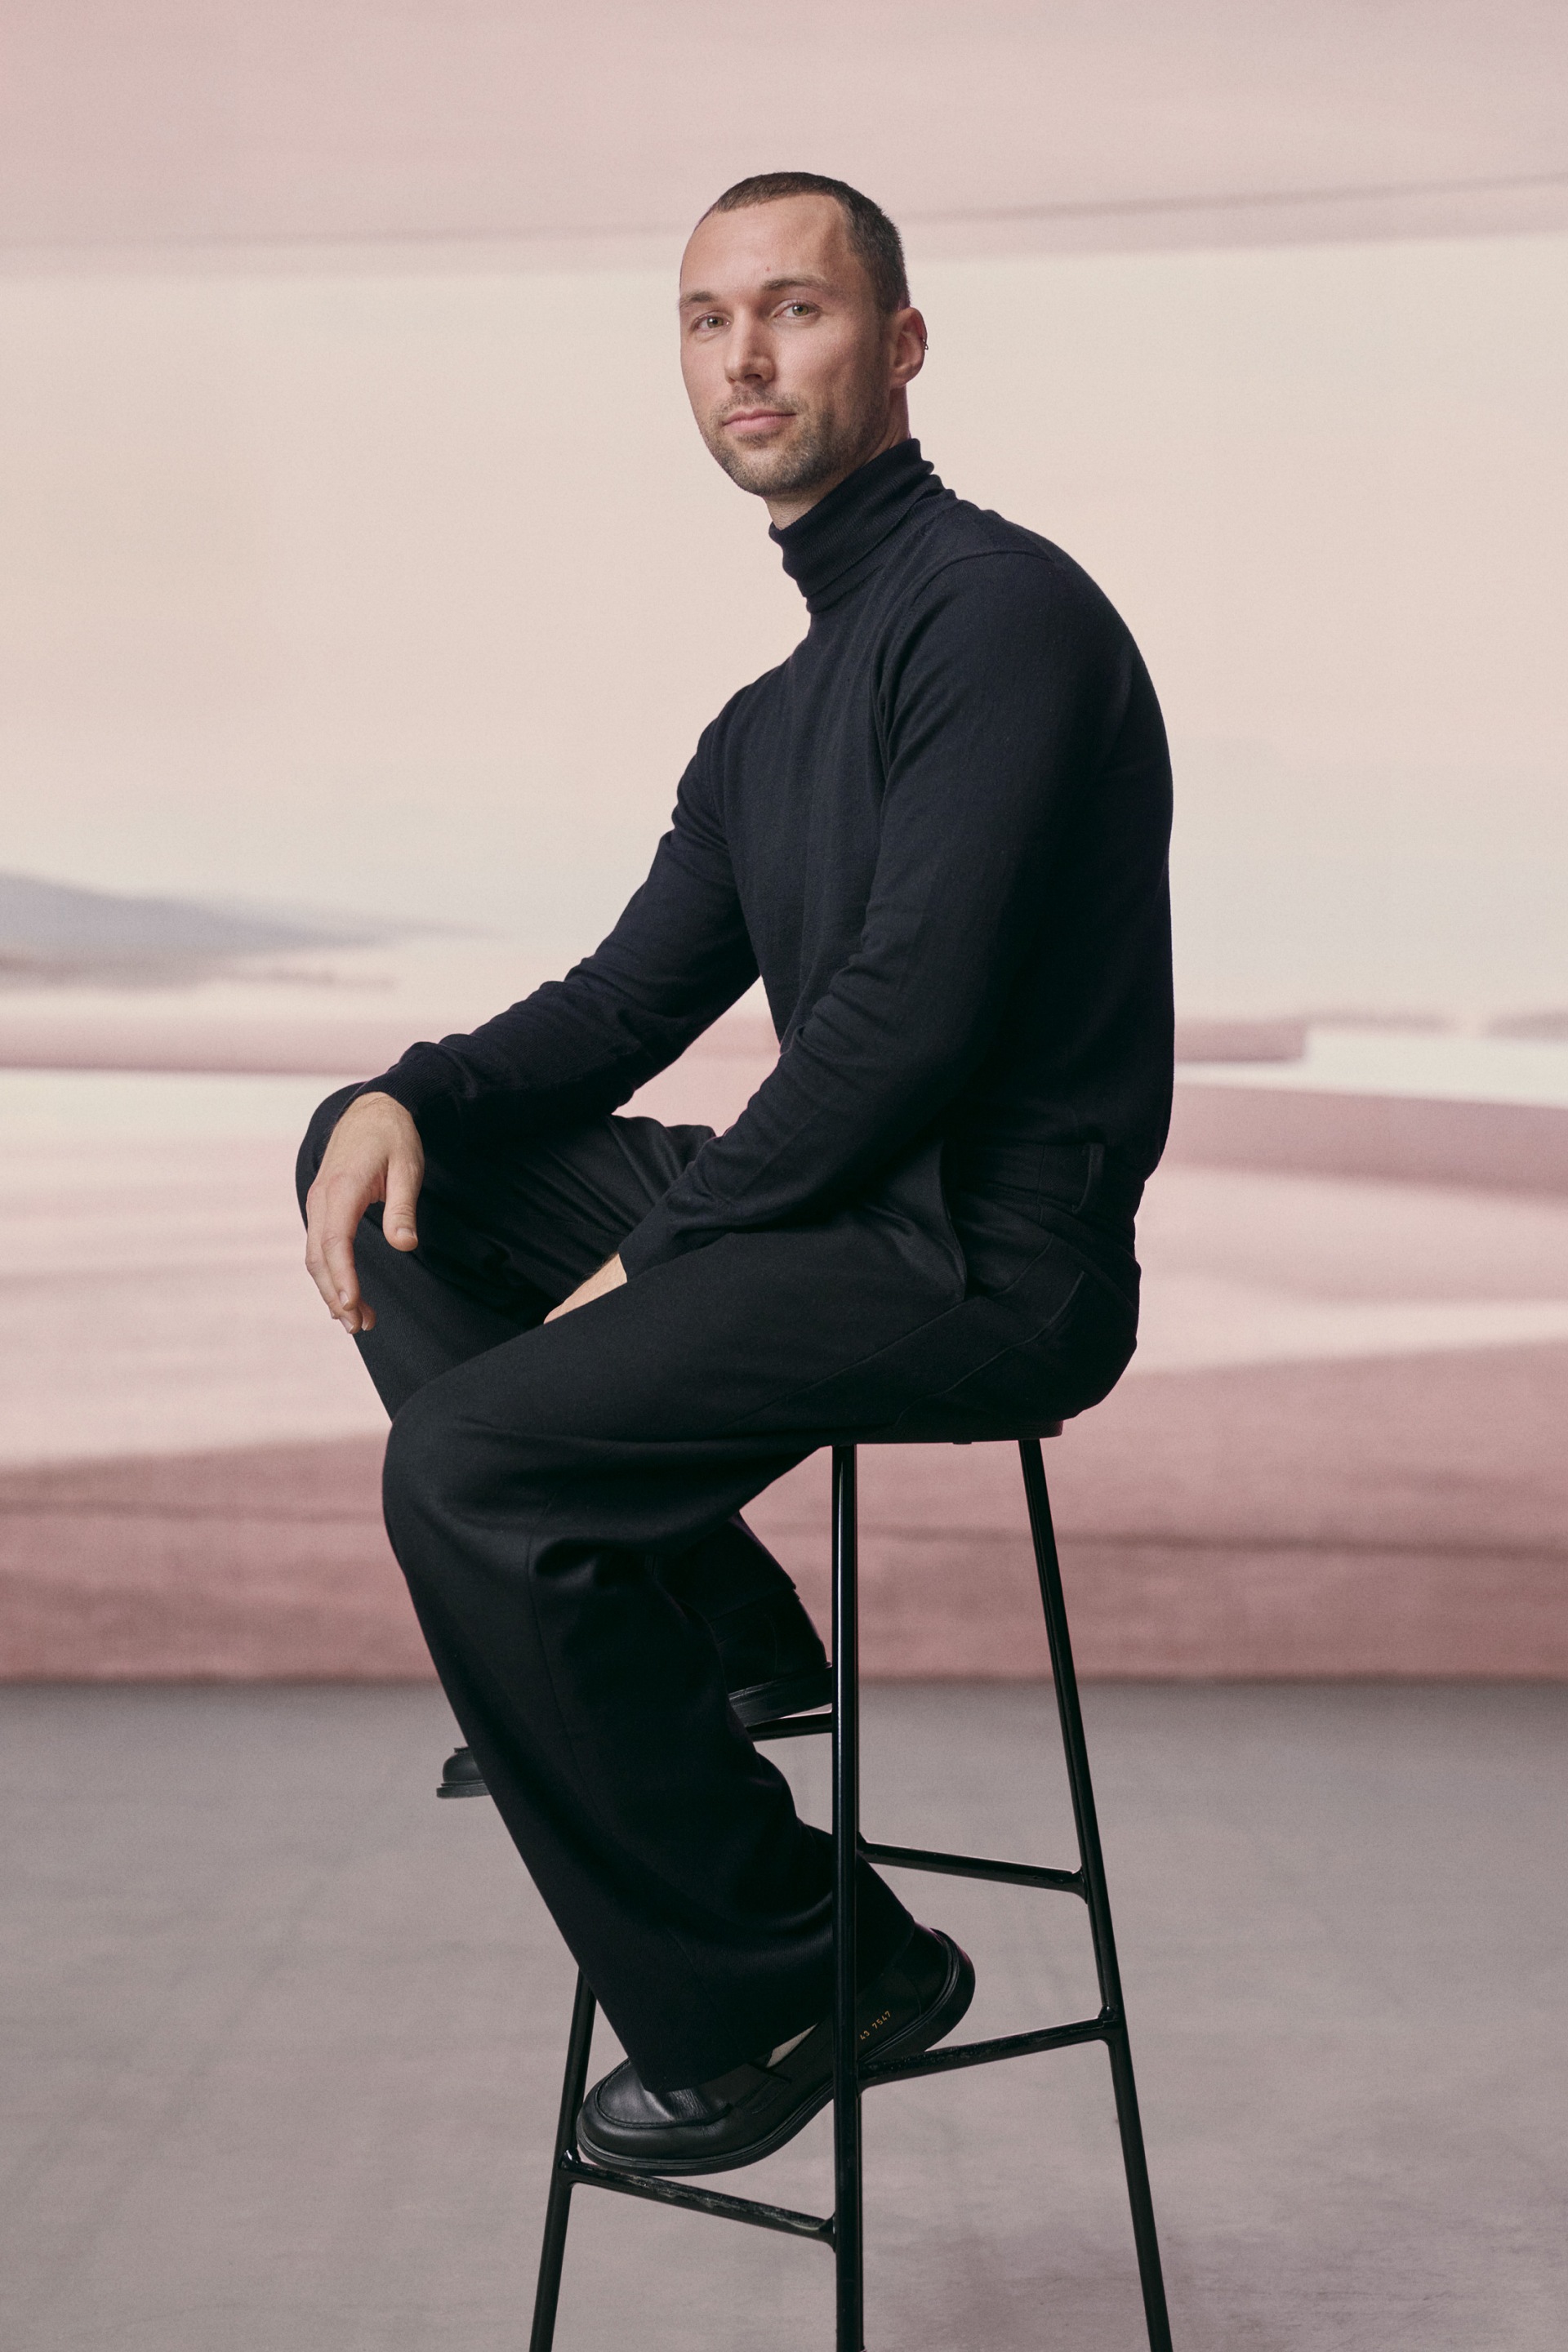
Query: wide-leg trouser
{"x": 554, "y": 1492}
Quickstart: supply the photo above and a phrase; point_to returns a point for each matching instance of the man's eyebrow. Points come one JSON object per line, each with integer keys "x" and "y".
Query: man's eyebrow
{"x": 768, "y": 285}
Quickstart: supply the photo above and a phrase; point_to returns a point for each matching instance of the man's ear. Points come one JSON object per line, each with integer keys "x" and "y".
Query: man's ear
{"x": 909, "y": 345}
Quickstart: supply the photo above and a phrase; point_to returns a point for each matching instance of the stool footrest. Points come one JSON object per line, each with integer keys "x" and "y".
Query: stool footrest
{"x": 660, "y": 2192}
{"x": 947, "y": 2060}
{"x": 975, "y": 1865}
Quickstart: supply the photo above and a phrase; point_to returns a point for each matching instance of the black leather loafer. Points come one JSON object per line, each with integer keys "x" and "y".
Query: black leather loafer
{"x": 745, "y": 2114}
{"x": 775, "y": 1662}
{"x": 774, "y": 1665}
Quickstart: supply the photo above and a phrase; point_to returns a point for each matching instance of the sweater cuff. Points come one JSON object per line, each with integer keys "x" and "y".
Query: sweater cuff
{"x": 423, "y": 1077}
{"x": 660, "y": 1237}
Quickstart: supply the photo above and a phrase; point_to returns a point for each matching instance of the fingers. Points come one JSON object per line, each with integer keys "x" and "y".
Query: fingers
{"x": 333, "y": 1208}
{"x": 404, "y": 1176}
{"x": 341, "y": 1288}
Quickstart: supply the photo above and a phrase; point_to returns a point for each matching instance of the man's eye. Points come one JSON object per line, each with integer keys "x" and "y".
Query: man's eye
{"x": 709, "y": 319}
{"x": 798, "y": 309}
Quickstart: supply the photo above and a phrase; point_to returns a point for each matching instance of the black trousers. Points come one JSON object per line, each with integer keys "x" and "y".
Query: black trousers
{"x": 562, "y": 1499}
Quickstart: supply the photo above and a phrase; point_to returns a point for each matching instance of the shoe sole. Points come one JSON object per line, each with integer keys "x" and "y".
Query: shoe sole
{"x": 932, "y": 2025}
{"x": 792, "y": 1694}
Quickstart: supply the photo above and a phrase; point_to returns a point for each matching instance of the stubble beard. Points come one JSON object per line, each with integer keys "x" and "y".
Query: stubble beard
{"x": 828, "y": 446}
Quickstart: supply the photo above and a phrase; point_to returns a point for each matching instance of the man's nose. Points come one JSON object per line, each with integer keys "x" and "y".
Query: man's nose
{"x": 746, "y": 359}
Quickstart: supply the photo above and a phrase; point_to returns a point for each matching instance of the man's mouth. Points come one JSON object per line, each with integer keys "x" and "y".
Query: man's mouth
{"x": 754, "y": 420}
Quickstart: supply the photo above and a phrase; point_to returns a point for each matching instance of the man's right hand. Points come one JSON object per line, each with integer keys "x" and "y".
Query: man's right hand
{"x": 374, "y": 1154}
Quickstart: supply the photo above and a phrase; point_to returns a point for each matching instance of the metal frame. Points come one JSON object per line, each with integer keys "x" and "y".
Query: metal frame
{"x": 842, "y": 2230}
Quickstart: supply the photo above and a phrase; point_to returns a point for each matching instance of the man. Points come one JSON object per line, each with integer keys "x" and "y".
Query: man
{"x": 938, "y": 834}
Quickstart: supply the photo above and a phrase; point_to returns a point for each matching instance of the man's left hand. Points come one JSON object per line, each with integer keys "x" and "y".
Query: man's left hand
{"x": 610, "y": 1277}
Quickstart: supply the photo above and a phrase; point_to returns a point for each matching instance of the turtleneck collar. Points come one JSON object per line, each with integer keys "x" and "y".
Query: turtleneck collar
{"x": 833, "y": 538}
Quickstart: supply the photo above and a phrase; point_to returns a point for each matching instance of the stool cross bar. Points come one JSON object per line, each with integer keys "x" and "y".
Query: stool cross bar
{"x": 842, "y": 2230}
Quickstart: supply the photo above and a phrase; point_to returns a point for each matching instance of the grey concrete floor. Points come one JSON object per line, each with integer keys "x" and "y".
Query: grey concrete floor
{"x": 280, "y": 2037}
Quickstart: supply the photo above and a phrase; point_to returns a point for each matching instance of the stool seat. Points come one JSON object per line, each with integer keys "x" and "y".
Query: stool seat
{"x": 943, "y": 1430}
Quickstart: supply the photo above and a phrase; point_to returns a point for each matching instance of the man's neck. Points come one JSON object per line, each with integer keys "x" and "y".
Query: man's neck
{"x": 783, "y": 511}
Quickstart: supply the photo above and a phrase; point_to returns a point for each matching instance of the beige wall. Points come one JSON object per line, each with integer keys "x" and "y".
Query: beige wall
{"x": 412, "y": 590}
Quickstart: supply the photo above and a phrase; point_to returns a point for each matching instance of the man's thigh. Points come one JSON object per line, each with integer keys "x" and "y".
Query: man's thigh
{"x": 662, "y": 1407}
{"x": 643, "y": 1418}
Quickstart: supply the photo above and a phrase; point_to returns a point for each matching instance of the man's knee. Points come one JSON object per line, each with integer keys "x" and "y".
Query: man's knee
{"x": 435, "y": 1468}
{"x": 322, "y": 1120}
{"x": 449, "y": 1468}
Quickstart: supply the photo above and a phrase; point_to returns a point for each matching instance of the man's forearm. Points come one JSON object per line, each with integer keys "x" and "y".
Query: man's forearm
{"x": 579, "y": 1047}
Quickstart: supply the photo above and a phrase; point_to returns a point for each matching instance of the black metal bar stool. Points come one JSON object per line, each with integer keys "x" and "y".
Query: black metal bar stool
{"x": 842, "y": 2228}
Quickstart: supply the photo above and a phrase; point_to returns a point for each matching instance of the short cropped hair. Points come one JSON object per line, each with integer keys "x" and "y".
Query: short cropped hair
{"x": 875, "y": 241}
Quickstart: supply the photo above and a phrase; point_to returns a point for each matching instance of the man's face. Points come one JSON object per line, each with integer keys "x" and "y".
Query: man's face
{"x": 794, "y": 377}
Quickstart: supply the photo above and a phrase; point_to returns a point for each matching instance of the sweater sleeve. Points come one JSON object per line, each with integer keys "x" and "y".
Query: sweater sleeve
{"x": 1001, "y": 696}
{"x": 578, "y": 1047}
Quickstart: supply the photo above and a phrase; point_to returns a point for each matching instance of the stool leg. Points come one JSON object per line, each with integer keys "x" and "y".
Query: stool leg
{"x": 1093, "y": 1865}
{"x": 847, "y": 2205}
{"x": 558, "y": 2210}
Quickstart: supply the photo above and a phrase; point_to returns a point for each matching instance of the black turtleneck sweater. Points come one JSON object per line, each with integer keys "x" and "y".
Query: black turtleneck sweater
{"x": 938, "y": 834}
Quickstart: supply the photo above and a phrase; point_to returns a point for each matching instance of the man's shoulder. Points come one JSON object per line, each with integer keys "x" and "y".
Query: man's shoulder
{"x": 976, "y": 556}
{"x": 756, "y": 695}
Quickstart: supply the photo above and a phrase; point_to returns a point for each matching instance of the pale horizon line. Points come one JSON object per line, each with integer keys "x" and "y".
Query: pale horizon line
{"x": 615, "y": 245}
